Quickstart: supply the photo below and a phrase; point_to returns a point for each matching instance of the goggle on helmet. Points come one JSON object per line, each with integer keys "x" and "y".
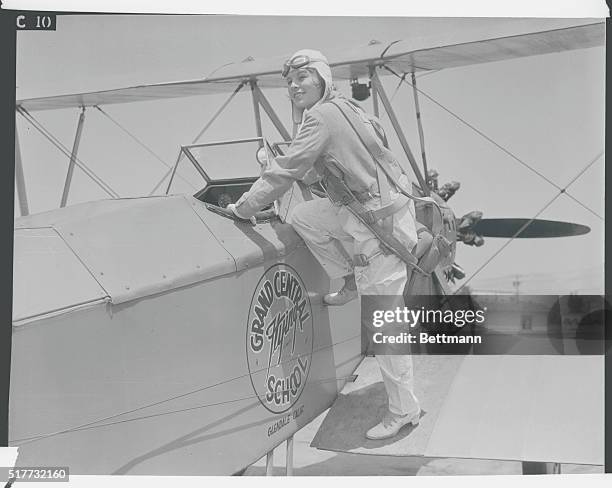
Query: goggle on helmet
{"x": 299, "y": 61}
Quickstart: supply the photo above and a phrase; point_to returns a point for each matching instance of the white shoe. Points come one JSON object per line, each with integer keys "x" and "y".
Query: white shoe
{"x": 341, "y": 297}
{"x": 391, "y": 424}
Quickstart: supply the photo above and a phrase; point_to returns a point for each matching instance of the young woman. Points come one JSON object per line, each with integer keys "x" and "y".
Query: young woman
{"x": 326, "y": 142}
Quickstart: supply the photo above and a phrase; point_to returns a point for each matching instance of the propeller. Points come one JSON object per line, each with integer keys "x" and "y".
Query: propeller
{"x": 472, "y": 228}
{"x": 507, "y": 227}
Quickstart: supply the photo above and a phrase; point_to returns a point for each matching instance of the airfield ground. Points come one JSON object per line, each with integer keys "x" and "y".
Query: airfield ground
{"x": 309, "y": 461}
{"x": 346, "y": 452}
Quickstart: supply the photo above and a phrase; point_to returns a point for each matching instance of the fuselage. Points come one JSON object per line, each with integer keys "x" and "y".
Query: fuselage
{"x": 146, "y": 338}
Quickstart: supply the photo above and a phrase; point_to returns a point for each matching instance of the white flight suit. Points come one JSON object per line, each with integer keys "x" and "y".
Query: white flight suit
{"x": 332, "y": 233}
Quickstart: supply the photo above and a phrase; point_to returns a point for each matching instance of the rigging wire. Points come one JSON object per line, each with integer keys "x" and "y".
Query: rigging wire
{"x": 523, "y": 227}
{"x": 420, "y": 127}
{"x": 423, "y": 74}
{"x": 182, "y": 410}
{"x": 417, "y": 76}
{"x": 140, "y": 143}
{"x": 182, "y": 395}
{"x": 399, "y": 85}
{"x": 58, "y": 144}
{"x": 132, "y": 136}
{"x": 499, "y": 146}
{"x": 208, "y": 124}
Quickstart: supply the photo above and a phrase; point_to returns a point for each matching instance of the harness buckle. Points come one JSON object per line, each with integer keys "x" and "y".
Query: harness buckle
{"x": 370, "y": 217}
{"x": 345, "y": 199}
{"x": 360, "y": 260}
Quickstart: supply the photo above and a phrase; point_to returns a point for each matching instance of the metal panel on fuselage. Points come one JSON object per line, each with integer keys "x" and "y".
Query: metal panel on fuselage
{"x": 135, "y": 247}
{"x": 146, "y": 246}
{"x": 47, "y": 275}
{"x": 250, "y": 245}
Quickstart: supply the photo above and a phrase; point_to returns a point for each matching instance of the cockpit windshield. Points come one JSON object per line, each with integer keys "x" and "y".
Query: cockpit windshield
{"x": 202, "y": 164}
{"x": 228, "y": 159}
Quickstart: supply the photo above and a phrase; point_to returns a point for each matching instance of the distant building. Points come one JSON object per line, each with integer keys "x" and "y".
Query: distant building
{"x": 511, "y": 313}
{"x": 570, "y": 324}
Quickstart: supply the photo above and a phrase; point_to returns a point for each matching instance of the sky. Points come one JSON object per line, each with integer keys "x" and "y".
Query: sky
{"x": 547, "y": 109}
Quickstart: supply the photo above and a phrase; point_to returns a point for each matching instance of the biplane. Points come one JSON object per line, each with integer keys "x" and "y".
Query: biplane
{"x": 199, "y": 348}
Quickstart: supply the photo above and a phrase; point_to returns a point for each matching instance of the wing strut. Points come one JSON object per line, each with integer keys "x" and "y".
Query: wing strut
{"x": 20, "y": 179}
{"x": 374, "y": 96}
{"x": 256, "y": 112}
{"x": 265, "y": 104}
{"x": 377, "y": 86}
{"x": 172, "y": 173}
{"x": 420, "y": 125}
{"x": 73, "y": 155}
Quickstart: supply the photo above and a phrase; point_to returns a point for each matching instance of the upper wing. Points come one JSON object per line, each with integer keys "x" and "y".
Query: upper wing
{"x": 513, "y": 38}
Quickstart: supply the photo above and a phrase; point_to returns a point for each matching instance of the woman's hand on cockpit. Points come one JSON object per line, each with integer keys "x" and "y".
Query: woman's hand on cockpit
{"x": 232, "y": 208}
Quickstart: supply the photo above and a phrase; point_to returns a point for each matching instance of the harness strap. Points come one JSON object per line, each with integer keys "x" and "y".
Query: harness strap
{"x": 343, "y": 196}
{"x": 379, "y": 221}
{"x": 338, "y": 192}
{"x": 389, "y": 209}
{"x": 376, "y": 152}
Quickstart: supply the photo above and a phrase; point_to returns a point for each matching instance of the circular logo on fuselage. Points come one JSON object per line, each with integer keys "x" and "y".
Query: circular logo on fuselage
{"x": 279, "y": 338}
